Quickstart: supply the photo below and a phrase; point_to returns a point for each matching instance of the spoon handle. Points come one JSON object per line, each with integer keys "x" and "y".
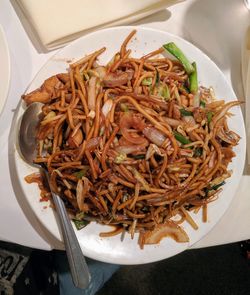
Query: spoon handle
{"x": 77, "y": 263}
{"x": 79, "y": 269}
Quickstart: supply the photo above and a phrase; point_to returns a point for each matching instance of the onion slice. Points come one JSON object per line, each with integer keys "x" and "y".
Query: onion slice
{"x": 229, "y": 137}
{"x": 115, "y": 79}
{"x": 93, "y": 143}
{"x": 107, "y": 107}
{"x": 101, "y": 71}
{"x": 75, "y": 139}
{"x": 92, "y": 93}
{"x": 129, "y": 149}
{"x": 189, "y": 120}
{"x": 172, "y": 122}
{"x": 82, "y": 189}
{"x": 154, "y": 135}
{"x": 170, "y": 229}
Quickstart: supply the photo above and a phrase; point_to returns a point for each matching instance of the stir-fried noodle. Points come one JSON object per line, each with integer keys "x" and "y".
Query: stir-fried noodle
{"x": 135, "y": 143}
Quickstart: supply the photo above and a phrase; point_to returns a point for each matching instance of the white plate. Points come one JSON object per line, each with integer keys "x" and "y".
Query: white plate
{"x": 127, "y": 251}
{"x": 4, "y": 69}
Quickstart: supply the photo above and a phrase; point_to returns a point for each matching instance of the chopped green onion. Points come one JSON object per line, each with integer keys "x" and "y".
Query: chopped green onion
{"x": 138, "y": 157}
{"x": 193, "y": 81}
{"x": 124, "y": 107}
{"x": 215, "y": 187}
{"x": 49, "y": 116}
{"x": 79, "y": 224}
{"x": 147, "y": 81}
{"x": 157, "y": 80}
{"x": 175, "y": 51}
{"x": 209, "y": 117}
{"x": 185, "y": 113}
{"x": 165, "y": 92}
{"x": 198, "y": 151}
{"x": 101, "y": 132}
{"x": 120, "y": 158}
{"x": 182, "y": 139}
{"x": 79, "y": 216}
{"x": 184, "y": 89}
{"x": 81, "y": 173}
{"x": 202, "y": 104}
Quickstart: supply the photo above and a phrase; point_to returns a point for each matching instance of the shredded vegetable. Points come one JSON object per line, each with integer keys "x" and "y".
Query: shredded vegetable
{"x": 126, "y": 145}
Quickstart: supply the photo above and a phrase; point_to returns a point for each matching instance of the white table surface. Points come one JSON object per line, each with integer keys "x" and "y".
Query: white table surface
{"x": 216, "y": 27}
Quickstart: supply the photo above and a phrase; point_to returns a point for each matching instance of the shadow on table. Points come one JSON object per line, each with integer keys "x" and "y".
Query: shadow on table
{"x": 212, "y": 27}
{"x": 160, "y": 16}
{"x": 20, "y": 196}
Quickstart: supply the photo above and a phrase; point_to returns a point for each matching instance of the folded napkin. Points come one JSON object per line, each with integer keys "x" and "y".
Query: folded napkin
{"x": 57, "y": 22}
{"x": 245, "y": 66}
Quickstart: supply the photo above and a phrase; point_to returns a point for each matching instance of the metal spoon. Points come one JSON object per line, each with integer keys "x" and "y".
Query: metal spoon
{"x": 27, "y": 143}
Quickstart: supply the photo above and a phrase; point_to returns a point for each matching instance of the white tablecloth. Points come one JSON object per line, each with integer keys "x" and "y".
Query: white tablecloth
{"x": 216, "y": 27}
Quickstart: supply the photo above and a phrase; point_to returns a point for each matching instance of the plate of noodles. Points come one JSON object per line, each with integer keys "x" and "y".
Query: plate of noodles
{"x": 143, "y": 139}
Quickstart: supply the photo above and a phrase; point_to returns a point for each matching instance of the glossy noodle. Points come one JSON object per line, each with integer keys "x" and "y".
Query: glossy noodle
{"x": 135, "y": 144}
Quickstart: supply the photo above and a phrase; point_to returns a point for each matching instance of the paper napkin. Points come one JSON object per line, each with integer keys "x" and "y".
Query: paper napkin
{"x": 57, "y": 22}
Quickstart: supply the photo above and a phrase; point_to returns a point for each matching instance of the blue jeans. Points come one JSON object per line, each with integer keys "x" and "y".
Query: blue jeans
{"x": 100, "y": 273}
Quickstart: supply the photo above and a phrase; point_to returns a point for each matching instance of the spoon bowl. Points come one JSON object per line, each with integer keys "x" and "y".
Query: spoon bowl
{"x": 27, "y": 132}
